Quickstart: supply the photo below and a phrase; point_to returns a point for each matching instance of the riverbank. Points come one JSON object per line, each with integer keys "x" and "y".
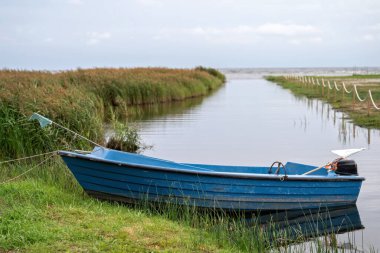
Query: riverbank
{"x": 49, "y": 213}
{"x": 46, "y": 210}
{"x": 84, "y": 99}
{"x": 357, "y": 105}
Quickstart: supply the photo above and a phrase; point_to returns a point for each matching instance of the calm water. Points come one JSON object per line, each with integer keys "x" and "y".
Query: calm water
{"x": 251, "y": 121}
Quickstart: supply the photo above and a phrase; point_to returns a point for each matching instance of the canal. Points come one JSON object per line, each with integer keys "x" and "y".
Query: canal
{"x": 251, "y": 121}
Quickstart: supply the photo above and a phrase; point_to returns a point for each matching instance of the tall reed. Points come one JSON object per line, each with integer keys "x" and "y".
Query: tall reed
{"x": 83, "y": 99}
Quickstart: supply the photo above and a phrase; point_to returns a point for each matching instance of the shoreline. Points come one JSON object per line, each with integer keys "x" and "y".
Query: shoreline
{"x": 340, "y": 94}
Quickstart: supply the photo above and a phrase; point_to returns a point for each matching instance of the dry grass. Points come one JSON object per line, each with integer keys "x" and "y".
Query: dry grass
{"x": 84, "y": 99}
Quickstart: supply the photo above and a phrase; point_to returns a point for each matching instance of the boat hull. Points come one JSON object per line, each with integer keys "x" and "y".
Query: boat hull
{"x": 125, "y": 182}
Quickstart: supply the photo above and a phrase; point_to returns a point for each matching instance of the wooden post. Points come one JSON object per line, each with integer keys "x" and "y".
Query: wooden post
{"x": 368, "y": 106}
{"x": 323, "y": 90}
{"x": 342, "y": 93}
{"x": 353, "y": 100}
{"x": 328, "y": 89}
{"x": 334, "y": 92}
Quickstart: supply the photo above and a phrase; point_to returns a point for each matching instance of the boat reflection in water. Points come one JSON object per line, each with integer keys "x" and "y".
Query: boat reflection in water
{"x": 297, "y": 226}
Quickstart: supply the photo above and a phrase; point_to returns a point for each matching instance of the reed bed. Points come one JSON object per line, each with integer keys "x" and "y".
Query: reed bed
{"x": 84, "y": 99}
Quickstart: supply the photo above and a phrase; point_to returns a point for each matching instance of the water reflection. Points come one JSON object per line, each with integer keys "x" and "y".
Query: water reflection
{"x": 255, "y": 122}
{"x": 303, "y": 225}
{"x": 347, "y": 130}
{"x": 149, "y": 111}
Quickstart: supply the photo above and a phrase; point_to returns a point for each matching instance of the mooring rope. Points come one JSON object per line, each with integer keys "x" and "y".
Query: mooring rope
{"x": 76, "y": 134}
{"x": 373, "y": 102}
{"x": 357, "y": 94}
{"x": 28, "y": 157}
{"x": 29, "y": 170}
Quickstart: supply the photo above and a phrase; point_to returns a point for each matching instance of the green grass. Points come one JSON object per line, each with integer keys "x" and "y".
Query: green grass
{"x": 47, "y": 211}
{"x": 40, "y": 218}
{"x": 358, "y": 112}
{"x": 355, "y": 76}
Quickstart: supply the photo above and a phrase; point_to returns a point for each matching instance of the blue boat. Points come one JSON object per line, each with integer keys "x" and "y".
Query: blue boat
{"x": 126, "y": 177}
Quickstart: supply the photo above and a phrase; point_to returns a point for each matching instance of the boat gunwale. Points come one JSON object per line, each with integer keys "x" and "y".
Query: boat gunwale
{"x": 214, "y": 173}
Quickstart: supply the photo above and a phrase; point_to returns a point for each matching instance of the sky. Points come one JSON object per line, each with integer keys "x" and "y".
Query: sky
{"x": 70, "y": 34}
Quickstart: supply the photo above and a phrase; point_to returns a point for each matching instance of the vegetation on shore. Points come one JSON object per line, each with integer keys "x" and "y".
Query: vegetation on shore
{"x": 47, "y": 211}
{"x": 361, "y": 113}
{"x": 84, "y": 99}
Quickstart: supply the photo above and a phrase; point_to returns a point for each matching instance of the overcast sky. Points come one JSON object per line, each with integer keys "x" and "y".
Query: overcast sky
{"x": 66, "y": 34}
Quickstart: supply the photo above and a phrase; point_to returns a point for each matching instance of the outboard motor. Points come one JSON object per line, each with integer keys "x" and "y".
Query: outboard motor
{"x": 347, "y": 168}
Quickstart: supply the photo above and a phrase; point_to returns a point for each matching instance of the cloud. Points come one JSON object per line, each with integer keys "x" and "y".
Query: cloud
{"x": 370, "y": 33}
{"x": 375, "y": 27}
{"x": 48, "y": 40}
{"x": 370, "y": 37}
{"x": 150, "y": 3}
{"x": 75, "y": 2}
{"x": 95, "y": 37}
{"x": 287, "y": 29}
{"x": 242, "y": 34}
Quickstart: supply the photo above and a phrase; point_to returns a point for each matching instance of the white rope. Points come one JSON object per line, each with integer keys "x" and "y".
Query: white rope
{"x": 373, "y": 102}
{"x": 28, "y": 157}
{"x": 328, "y": 82}
{"x": 323, "y": 83}
{"x": 29, "y": 170}
{"x": 344, "y": 87}
{"x": 76, "y": 134}
{"x": 318, "y": 82}
{"x": 336, "y": 86}
{"x": 357, "y": 94}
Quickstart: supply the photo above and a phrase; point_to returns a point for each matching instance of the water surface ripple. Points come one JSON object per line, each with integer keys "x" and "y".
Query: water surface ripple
{"x": 251, "y": 121}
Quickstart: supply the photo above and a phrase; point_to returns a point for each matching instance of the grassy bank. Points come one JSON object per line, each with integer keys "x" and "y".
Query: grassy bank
{"x": 361, "y": 113}
{"x": 37, "y": 216}
{"x": 83, "y": 99}
{"x": 47, "y": 211}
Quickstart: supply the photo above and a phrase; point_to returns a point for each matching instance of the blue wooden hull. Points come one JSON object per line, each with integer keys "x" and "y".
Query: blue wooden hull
{"x": 127, "y": 177}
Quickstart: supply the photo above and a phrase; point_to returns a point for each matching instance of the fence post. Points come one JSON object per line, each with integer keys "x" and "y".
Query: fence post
{"x": 353, "y": 100}
{"x": 328, "y": 89}
{"x": 334, "y": 92}
{"x": 342, "y": 93}
{"x": 323, "y": 91}
{"x": 368, "y": 104}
